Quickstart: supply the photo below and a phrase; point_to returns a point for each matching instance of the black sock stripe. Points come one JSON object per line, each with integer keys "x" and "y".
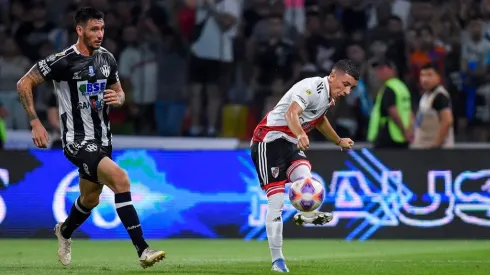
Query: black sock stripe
{"x": 122, "y": 197}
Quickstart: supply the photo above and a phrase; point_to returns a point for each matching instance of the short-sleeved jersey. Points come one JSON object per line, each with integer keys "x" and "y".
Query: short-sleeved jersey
{"x": 79, "y": 83}
{"x": 312, "y": 95}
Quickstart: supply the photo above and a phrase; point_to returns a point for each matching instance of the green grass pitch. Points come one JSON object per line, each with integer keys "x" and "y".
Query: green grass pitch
{"x": 319, "y": 257}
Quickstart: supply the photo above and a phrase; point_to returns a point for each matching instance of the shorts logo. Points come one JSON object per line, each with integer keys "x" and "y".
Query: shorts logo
{"x": 301, "y": 153}
{"x": 91, "y": 148}
{"x": 105, "y": 70}
{"x": 275, "y": 172}
{"x": 85, "y": 168}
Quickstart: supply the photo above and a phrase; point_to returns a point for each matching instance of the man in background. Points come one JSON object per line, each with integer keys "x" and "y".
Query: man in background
{"x": 434, "y": 125}
{"x": 212, "y": 57}
{"x": 390, "y": 125}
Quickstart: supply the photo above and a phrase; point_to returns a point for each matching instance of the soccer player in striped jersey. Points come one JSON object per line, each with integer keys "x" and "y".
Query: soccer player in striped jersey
{"x": 86, "y": 83}
{"x": 280, "y": 140}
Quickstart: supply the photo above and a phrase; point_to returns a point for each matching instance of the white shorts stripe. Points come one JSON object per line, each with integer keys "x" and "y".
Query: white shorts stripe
{"x": 262, "y": 152}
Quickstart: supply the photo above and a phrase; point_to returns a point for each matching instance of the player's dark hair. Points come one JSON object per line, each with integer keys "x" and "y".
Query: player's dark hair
{"x": 83, "y": 15}
{"x": 348, "y": 67}
{"x": 429, "y": 66}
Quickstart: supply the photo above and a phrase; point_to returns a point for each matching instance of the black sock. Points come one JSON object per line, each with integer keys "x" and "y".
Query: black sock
{"x": 78, "y": 214}
{"x": 129, "y": 217}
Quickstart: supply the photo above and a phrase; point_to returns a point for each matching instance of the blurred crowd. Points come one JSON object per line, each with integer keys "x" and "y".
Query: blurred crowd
{"x": 215, "y": 67}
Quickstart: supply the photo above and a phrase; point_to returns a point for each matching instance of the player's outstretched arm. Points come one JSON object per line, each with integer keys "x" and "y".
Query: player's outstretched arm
{"x": 115, "y": 96}
{"x": 327, "y": 131}
{"x": 24, "y": 86}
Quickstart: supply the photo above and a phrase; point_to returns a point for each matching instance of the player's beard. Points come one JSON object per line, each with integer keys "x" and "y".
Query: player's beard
{"x": 88, "y": 44}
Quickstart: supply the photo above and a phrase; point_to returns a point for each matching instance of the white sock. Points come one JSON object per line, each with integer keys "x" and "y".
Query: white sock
{"x": 299, "y": 172}
{"x": 274, "y": 225}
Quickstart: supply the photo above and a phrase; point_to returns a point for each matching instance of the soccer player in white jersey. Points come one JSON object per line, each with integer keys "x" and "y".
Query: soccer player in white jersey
{"x": 280, "y": 140}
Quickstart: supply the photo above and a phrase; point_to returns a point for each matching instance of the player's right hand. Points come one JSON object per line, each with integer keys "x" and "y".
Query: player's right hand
{"x": 40, "y": 136}
{"x": 303, "y": 142}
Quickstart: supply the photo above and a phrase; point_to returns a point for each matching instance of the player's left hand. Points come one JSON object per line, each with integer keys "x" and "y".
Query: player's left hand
{"x": 112, "y": 98}
{"x": 346, "y": 143}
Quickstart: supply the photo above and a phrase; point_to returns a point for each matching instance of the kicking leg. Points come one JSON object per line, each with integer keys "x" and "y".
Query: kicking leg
{"x": 301, "y": 169}
{"x": 80, "y": 211}
{"x": 115, "y": 178}
{"x": 274, "y": 225}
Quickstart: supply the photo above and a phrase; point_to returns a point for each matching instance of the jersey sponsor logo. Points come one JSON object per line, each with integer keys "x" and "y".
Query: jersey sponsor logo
{"x": 96, "y": 104}
{"x": 302, "y": 99}
{"x": 275, "y": 172}
{"x": 43, "y": 67}
{"x": 105, "y": 70}
{"x": 88, "y": 89}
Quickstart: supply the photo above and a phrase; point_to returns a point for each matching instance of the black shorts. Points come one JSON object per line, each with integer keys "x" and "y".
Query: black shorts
{"x": 86, "y": 155}
{"x": 274, "y": 161}
{"x": 208, "y": 71}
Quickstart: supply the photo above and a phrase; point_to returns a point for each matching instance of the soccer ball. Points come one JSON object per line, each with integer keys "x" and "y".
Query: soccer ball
{"x": 307, "y": 194}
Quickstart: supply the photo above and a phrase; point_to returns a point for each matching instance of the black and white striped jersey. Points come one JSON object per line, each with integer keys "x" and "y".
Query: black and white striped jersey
{"x": 79, "y": 83}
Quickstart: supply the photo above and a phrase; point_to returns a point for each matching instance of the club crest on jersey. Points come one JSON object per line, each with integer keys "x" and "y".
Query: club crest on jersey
{"x": 91, "y": 71}
{"x": 105, "y": 70}
{"x": 308, "y": 92}
{"x": 275, "y": 172}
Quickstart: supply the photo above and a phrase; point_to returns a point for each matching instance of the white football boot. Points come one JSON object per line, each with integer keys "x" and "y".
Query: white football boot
{"x": 315, "y": 217}
{"x": 150, "y": 256}
{"x": 64, "y": 246}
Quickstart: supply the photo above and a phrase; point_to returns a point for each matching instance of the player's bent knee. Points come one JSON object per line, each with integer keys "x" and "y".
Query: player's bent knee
{"x": 120, "y": 181}
{"x": 89, "y": 201}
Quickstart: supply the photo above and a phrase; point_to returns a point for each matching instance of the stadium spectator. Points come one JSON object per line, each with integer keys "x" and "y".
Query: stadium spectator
{"x": 138, "y": 71}
{"x": 475, "y": 65}
{"x": 34, "y": 32}
{"x": 12, "y": 67}
{"x": 211, "y": 60}
{"x": 276, "y": 65}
